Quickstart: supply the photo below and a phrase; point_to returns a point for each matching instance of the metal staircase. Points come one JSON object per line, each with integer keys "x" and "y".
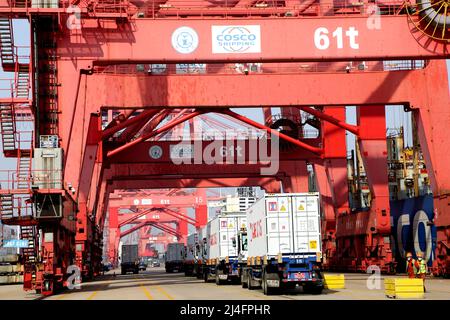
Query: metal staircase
{"x": 30, "y": 255}
{"x": 6, "y": 44}
{"x": 6, "y": 206}
{"x": 7, "y": 128}
{"x": 24, "y": 162}
{"x": 22, "y": 80}
{"x": 16, "y": 204}
{"x": 12, "y": 61}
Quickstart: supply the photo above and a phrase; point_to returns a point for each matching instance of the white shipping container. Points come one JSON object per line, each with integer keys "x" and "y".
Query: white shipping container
{"x": 223, "y": 232}
{"x": 175, "y": 252}
{"x": 286, "y": 223}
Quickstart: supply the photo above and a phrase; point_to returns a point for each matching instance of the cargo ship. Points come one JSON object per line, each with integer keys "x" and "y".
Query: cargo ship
{"x": 411, "y": 198}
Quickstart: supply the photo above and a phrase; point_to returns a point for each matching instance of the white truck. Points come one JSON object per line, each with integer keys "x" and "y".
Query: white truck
{"x": 284, "y": 243}
{"x": 226, "y": 247}
{"x": 174, "y": 256}
{"x": 195, "y": 253}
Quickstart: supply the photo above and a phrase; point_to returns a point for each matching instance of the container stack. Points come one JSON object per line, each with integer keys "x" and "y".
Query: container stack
{"x": 11, "y": 270}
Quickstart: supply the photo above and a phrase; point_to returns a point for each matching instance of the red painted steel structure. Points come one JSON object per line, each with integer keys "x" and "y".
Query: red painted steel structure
{"x": 303, "y": 48}
{"x": 155, "y": 210}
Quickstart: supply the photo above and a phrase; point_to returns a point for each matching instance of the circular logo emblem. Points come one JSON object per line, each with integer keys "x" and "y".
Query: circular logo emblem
{"x": 185, "y": 40}
{"x": 155, "y": 152}
{"x": 136, "y": 202}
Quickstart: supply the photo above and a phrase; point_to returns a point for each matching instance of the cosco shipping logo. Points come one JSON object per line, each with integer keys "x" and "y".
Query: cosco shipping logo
{"x": 236, "y": 39}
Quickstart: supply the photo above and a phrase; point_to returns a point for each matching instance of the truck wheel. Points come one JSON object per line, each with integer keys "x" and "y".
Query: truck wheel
{"x": 122, "y": 272}
{"x": 243, "y": 282}
{"x": 317, "y": 289}
{"x": 249, "y": 282}
{"x": 205, "y": 276}
{"x": 218, "y": 281}
{"x": 312, "y": 289}
{"x": 266, "y": 289}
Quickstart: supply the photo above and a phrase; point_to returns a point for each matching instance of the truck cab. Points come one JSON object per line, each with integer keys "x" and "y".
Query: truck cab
{"x": 227, "y": 246}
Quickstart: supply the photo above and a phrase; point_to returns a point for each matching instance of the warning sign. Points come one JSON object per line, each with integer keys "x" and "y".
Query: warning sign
{"x": 301, "y": 208}
{"x": 313, "y": 244}
{"x": 283, "y": 207}
{"x": 273, "y": 206}
{"x": 230, "y": 226}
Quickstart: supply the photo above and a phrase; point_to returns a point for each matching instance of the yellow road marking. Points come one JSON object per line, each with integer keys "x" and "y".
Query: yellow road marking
{"x": 147, "y": 293}
{"x": 92, "y": 295}
{"x": 248, "y": 293}
{"x": 60, "y": 297}
{"x": 168, "y": 296}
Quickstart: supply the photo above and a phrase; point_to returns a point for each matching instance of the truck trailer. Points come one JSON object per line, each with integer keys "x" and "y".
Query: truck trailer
{"x": 174, "y": 257}
{"x": 130, "y": 259}
{"x": 227, "y": 247}
{"x": 195, "y": 253}
{"x": 284, "y": 243}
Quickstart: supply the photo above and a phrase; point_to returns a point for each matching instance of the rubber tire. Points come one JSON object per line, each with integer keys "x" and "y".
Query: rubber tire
{"x": 205, "y": 276}
{"x": 249, "y": 283}
{"x": 244, "y": 284}
{"x": 218, "y": 281}
{"x": 317, "y": 290}
{"x": 266, "y": 289}
{"x": 313, "y": 289}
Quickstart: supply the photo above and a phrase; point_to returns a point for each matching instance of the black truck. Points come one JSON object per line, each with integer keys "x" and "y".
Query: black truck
{"x": 130, "y": 259}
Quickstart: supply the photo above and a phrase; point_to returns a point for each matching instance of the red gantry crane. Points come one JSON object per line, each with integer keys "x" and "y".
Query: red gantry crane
{"x": 105, "y": 79}
{"x": 154, "y": 209}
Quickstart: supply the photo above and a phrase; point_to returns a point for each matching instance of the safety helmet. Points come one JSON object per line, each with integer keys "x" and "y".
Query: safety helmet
{"x": 409, "y": 254}
{"x": 419, "y": 255}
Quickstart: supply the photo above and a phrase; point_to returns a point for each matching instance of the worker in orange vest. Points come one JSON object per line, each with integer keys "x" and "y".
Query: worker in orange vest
{"x": 411, "y": 266}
